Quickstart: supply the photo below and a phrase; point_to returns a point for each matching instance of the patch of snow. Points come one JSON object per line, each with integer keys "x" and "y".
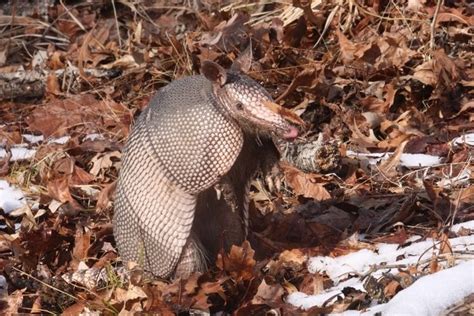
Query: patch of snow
{"x": 306, "y": 301}
{"x": 33, "y": 139}
{"x": 467, "y": 139}
{"x": 461, "y": 179}
{"x": 18, "y": 153}
{"x": 93, "y": 137}
{"x": 406, "y": 160}
{"x": 342, "y": 269}
{"x": 61, "y": 140}
{"x": 372, "y": 158}
{"x": 338, "y": 268}
{"x": 466, "y": 225}
{"x": 11, "y": 198}
{"x": 419, "y": 160}
{"x": 412, "y": 160}
{"x": 431, "y": 294}
{"x": 360, "y": 261}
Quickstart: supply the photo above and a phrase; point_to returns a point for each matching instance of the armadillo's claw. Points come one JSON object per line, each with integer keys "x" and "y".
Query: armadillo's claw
{"x": 270, "y": 183}
{"x": 218, "y": 188}
{"x": 273, "y": 180}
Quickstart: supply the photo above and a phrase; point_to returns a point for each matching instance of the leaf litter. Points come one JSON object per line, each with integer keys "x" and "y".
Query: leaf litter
{"x": 390, "y": 83}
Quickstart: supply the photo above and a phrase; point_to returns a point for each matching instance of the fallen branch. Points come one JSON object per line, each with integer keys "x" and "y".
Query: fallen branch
{"x": 315, "y": 156}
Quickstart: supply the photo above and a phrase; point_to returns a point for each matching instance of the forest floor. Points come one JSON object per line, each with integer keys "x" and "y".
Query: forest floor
{"x": 387, "y": 227}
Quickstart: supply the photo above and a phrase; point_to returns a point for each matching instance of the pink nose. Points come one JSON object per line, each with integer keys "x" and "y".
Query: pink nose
{"x": 291, "y": 133}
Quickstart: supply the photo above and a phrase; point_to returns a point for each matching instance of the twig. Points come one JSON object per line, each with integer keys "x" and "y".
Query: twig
{"x": 72, "y": 16}
{"x": 441, "y": 257}
{"x": 433, "y": 24}
{"x": 117, "y": 24}
{"x": 456, "y": 207}
{"x": 327, "y": 24}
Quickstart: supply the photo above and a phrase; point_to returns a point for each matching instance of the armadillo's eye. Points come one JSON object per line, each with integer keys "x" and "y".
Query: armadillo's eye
{"x": 239, "y": 106}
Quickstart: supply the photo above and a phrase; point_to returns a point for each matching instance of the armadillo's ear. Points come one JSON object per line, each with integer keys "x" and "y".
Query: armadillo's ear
{"x": 244, "y": 61}
{"x": 214, "y": 72}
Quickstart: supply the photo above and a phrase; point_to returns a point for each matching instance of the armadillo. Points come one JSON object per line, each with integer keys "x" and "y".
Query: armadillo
{"x": 186, "y": 168}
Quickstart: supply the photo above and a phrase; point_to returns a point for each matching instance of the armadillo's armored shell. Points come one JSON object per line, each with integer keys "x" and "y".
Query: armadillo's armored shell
{"x": 181, "y": 144}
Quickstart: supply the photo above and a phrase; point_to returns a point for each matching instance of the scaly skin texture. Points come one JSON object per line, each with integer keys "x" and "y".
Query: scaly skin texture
{"x": 195, "y": 134}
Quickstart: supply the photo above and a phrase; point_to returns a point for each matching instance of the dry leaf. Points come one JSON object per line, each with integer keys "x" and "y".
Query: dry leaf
{"x": 239, "y": 262}
{"x": 306, "y": 184}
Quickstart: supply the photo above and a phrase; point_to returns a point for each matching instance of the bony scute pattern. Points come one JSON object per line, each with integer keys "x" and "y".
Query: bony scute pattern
{"x": 196, "y": 142}
{"x": 197, "y": 132}
{"x": 170, "y": 157}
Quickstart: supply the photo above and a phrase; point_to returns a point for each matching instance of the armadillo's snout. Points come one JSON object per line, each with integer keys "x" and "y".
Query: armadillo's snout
{"x": 269, "y": 117}
{"x": 291, "y": 133}
{"x": 284, "y": 121}
{"x": 252, "y": 106}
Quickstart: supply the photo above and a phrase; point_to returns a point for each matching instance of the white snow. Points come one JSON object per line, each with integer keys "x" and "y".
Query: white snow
{"x": 11, "y": 198}
{"x": 431, "y": 294}
{"x": 18, "y": 153}
{"x": 406, "y": 160}
{"x": 61, "y": 140}
{"x": 360, "y": 261}
{"x": 33, "y": 139}
{"x": 412, "y": 160}
{"x": 419, "y": 160}
{"x": 93, "y": 137}
{"x": 21, "y": 152}
{"x": 305, "y": 301}
{"x": 443, "y": 286}
{"x": 462, "y": 178}
{"x": 467, "y": 139}
{"x": 466, "y": 225}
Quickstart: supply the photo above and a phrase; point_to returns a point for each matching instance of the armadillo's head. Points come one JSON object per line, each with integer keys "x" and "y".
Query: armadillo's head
{"x": 247, "y": 102}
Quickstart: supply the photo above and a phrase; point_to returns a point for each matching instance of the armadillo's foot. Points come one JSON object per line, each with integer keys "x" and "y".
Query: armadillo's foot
{"x": 193, "y": 259}
{"x": 225, "y": 190}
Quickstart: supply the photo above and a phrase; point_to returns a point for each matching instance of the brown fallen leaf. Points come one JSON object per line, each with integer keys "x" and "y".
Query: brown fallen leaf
{"x": 82, "y": 243}
{"x": 58, "y": 189}
{"x": 239, "y": 263}
{"x": 305, "y": 77}
{"x": 103, "y": 161}
{"x": 52, "y": 84}
{"x": 106, "y": 196}
{"x": 306, "y": 184}
{"x": 312, "y": 284}
{"x": 84, "y": 112}
{"x": 132, "y": 293}
{"x": 392, "y": 288}
{"x": 75, "y": 309}
{"x": 80, "y": 176}
{"x": 361, "y": 139}
{"x": 266, "y": 294}
{"x": 388, "y": 166}
{"x": 13, "y": 301}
